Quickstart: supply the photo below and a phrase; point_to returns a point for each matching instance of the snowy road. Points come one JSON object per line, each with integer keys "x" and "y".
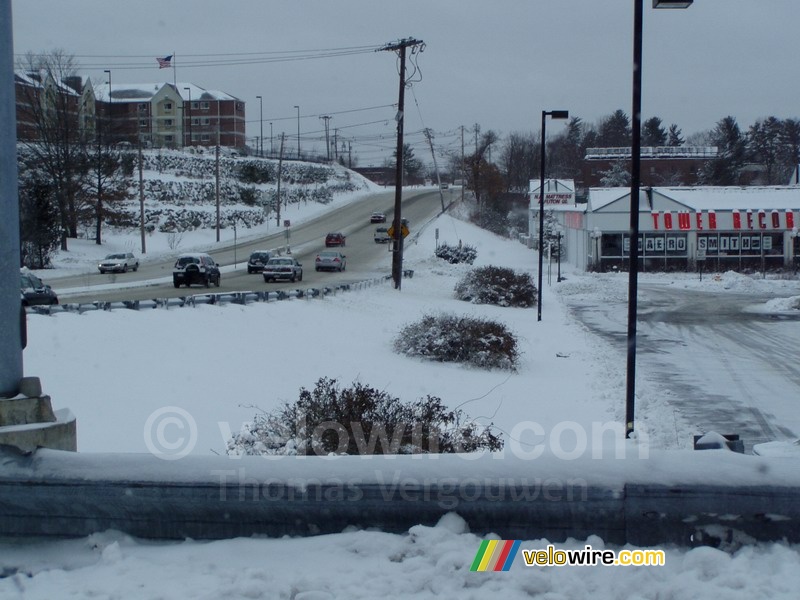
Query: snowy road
{"x": 728, "y": 367}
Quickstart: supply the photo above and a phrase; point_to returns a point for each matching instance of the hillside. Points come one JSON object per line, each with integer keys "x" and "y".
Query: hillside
{"x": 180, "y": 189}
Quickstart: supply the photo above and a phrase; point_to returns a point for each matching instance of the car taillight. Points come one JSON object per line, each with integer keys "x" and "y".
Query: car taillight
{"x": 335, "y": 260}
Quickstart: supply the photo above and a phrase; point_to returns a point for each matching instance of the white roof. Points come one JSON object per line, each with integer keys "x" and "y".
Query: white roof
{"x": 142, "y": 92}
{"x": 710, "y": 197}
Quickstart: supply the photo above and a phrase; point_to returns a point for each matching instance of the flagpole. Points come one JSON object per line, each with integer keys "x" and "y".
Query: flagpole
{"x": 174, "y": 70}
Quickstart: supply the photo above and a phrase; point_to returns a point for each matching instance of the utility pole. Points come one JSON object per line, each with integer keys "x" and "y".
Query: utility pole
{"x": 336, "y": 145}
{"x": 141, "y": 194}
{"x": 397, "y": 247}
{"x": 429, "y": 137}
{"x": 327, "y": 119}
{"x": 463, "y": 169}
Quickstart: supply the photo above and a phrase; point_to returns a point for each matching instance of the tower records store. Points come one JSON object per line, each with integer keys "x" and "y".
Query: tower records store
{"x": 742, "y": 229}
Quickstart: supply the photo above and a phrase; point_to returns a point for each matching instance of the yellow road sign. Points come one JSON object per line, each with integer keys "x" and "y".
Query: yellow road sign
{"x": 403, "y": 231}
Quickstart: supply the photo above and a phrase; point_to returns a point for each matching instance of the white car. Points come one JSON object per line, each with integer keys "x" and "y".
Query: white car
{"x": 120, "y": 262}
{"x": 382, "y": 236}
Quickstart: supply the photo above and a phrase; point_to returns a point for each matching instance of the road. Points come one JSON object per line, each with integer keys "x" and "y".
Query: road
{"x": 728, "y": 369}
{"x": 365, "y": 258}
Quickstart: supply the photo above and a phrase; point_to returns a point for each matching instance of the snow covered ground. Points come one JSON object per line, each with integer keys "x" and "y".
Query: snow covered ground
{"x": 164, "y": 371}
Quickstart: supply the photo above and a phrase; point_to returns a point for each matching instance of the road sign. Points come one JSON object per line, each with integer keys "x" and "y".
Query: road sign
{"x": 701, "y": 254}
{"x": 286, "y": 223}
{"x": 403, "y": 231}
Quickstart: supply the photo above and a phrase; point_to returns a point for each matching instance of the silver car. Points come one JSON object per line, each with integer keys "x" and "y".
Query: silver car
{"x": 330, "y": 260}
{"x": 119, "y": 263}
{"x": 283, "y": 267}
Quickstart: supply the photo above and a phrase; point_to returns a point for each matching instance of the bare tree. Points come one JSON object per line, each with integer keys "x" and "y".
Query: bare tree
{"x": 54, "y": 129}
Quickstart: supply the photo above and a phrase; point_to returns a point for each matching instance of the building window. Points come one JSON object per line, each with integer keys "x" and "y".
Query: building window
{"x": 143, "y": 123}
{"x": 205, "y": 138}
{"x": 143, "y": 106}
{"x": 195, "y": 121}
{"x": 168, "y": 106}
{"x": 167, "y": 138}
{"x": 204, "y": 105}
{"x": 195, "y": 105}
{"x": 206, "y": 121}
{"x": 167, "y": 122}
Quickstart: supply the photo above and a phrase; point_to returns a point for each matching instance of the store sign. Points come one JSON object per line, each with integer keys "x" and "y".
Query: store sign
{"x": 710, "y": 220}
{"x": 555, "y": 198}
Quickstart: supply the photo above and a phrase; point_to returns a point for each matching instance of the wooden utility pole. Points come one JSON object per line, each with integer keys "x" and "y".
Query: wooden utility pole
{"x": 397, "y": 244}
{"x": 141, "y": 195}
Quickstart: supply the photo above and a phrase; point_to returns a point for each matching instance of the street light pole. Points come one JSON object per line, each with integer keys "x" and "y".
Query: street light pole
{"x": 298, "y": 131}
{"x": 636, "y": 147}
{"x": 555, "y": 114}
{"x": 189, "y": 117}
{"x": 271, "y": 147}
{"x": 261, "y": 121}
{"x": 108, "y": 112}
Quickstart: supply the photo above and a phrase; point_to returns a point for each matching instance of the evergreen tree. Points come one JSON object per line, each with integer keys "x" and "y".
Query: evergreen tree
{"x": 653, "y": 134}
{"x": 674, "y": 137}
{"x": 764, "y": 145}
{"x": 615, "y": 131}
{"x": 725, "y": 169}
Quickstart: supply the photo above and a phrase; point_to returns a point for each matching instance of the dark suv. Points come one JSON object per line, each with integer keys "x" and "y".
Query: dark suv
{"x": 195, "y": 268}
{"x": 257, "y": 260}
{"x": 334, "y": 239}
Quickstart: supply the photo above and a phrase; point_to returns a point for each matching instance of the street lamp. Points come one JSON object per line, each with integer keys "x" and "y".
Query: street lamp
{"x": 555, "y": 114}
{"x": 271, "y": 147}
{"x": 108, "y": 114}
{"x": 298, "y": 131}
{"x": 636, "y": 148}
{"x": 261, "y": 120}
{"x": 189, "y": 117}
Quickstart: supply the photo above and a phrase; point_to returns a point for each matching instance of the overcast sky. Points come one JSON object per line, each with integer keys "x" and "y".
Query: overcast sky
{"x": 495, "y": 63}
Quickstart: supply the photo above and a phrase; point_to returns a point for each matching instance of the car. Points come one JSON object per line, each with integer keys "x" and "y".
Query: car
{"x": 330, "y": 260}
{"x": 283, "y": 267}
{"x": 195, "y": 268}
{"x": 334, "y": 239}
{"x": 119, "y": 263}
{"x": 378, "y": 217}
{"x": 382, "y": 236}
{"x": 257, "y": 260}
{"x": 34, "y": 291}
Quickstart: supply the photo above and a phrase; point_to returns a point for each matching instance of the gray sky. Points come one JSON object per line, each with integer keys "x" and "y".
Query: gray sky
{"x": 496, "y": 63}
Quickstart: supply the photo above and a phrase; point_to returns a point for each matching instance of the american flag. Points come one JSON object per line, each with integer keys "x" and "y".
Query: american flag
{"x": 165, "y": 63}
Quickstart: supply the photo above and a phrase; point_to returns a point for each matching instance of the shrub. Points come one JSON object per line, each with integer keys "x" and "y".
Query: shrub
{"x": 497, "y": 285}
{"x": 457, "y": 254}
{"x": 448, "y": 338}
{"x": 361, "y": 420}
{"x": 255, "y": 172}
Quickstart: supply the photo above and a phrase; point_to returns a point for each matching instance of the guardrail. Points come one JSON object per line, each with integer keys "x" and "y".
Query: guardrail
{"x": 716, "y": 498}
{"x": 237, "y": 297}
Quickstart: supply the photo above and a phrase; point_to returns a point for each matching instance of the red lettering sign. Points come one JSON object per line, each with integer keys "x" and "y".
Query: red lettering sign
{"x": 667, "y": 220}
{"x": 762, "y": 219}
{"x": 776, "y": 220}
{"x": 789, "y": 219}
{"x": 684, "y": 221}
{"x": 737, "y": 220}
{"x": 655, "y": 220}
{"x": 699, "y": 220}
{"x": 750, "y": 219}
{"x": 712, "y": 220}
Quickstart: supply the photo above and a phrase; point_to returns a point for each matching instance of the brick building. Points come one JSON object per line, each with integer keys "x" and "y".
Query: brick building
{"x": 160, "y": 115}
{"x": 660, "y": 166}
